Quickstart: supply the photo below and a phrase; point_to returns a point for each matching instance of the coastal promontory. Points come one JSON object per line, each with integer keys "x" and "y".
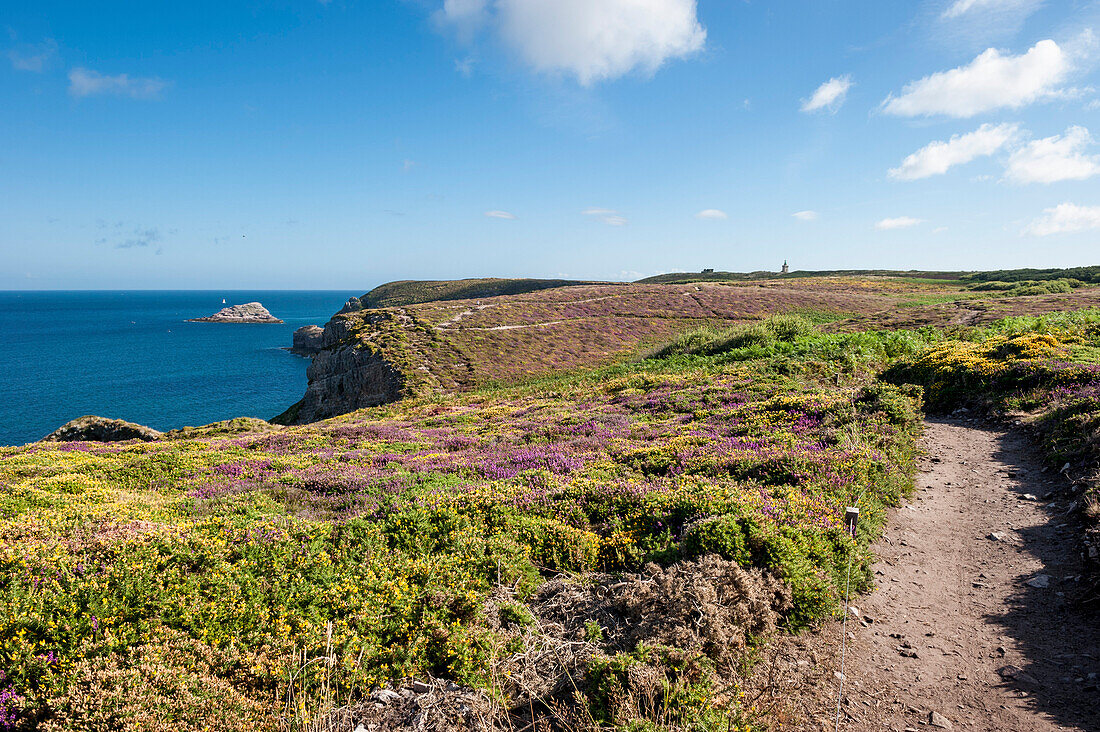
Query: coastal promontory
{"x": 250, "y": 312}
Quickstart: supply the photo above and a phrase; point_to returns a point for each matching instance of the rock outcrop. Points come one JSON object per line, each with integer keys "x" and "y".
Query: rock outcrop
{"x": 307, "y": 340}
{"x": 346, "y": 374}
{"x": 353, "y": 305}
{"x": 250, "y": 312}
{"x": 90, "y": 428}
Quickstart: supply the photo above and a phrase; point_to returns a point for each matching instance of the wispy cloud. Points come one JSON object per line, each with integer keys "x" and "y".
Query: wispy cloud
{"x": 991, "y": 81}
{"x": 589, "y": 41}
{"x": 712, "y": 214}
{"x": 900, "y": 222}
{"x": 938, "y": 157}
{"x": 465, "y": 66}
{"x": 829, "y": 96}
{"x": 500, "y": 215}
{"x": 805, "y": 215}
{"x": 140, "y": 238}
{"x": 136, "y": 239}
{"x": 606, "y": 215}
{"x": 1053, "y": 159}
{"x": 85, "y": 83}
{"x": 1065, "y": 218}
{"x": 960, "y": 8}
{"x": 33, "y": 57}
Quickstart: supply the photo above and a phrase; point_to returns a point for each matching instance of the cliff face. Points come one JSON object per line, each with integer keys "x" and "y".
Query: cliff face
{"x": 348, "y": 373}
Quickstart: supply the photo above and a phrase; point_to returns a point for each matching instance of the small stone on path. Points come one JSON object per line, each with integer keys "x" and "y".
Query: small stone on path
{"x": 938, "y": 720}
{"x": 1039, "y": 581}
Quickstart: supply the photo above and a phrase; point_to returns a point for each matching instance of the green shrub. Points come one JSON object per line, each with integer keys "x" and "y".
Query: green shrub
{"x": 789, "y": 327}
{"x": 513, "y": 613}
{"x": 556, "y": 545}
{"x": 723, "y": 535}
{"x": 652, "y": 685}
{"x": 900, "y": 404}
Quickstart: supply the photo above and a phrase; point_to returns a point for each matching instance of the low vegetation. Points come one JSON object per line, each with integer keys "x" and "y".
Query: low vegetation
{"x": 599, "y": 548}
{"x": 1084, "y": 274}
{"x": 416, "y": 540}
{"x": 1020, "y": 288}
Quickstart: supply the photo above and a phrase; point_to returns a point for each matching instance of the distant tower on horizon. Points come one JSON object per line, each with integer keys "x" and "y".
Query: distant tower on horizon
{"x": 786, "y": 269}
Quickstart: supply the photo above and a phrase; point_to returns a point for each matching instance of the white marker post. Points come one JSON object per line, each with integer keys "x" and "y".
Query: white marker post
{"x": 851, "y": 518}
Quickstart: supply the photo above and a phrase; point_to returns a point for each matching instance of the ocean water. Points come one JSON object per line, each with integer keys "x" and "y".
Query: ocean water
{"x": 130, "y": 355}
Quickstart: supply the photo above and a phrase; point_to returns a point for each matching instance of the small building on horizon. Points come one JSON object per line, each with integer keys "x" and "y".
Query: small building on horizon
{"x": 786, "y": 269}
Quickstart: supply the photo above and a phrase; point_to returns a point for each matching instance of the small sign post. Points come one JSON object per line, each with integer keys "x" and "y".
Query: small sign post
{"x": 851, "y": 518}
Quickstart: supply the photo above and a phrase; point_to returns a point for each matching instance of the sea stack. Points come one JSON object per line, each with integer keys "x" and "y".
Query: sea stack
{"x": 308, "y": 340}
{"x": 250, "y": 312}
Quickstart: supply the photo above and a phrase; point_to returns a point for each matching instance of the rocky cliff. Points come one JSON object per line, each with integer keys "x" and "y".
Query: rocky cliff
{"x": 348, "y": 372}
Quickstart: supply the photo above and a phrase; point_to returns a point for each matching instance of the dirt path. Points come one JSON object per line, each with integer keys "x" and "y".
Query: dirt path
{"x": 975, "y": 616}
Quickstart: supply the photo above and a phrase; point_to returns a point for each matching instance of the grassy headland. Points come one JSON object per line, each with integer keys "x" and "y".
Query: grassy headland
{"x": 412, "y": 292}
{"x": 600, "y": 542}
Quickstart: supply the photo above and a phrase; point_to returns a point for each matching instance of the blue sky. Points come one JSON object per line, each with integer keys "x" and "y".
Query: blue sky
{"x": 339, "y": 144}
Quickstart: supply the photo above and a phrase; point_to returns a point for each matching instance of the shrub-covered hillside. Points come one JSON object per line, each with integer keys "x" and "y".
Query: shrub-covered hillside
{"x": 599, "y": 549}
{"x": 198, "y": 580}
{"x": 464, "y": 343}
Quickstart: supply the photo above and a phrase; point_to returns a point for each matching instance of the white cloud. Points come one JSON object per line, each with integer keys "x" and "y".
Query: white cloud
{"x": 805, "y": 215}
{"x": 458, "y": 10}
{"x": 1064, "y": 218}
{"x": 466, "y": 17}
{"x": 991, "y": 81}
{"x": 965, "y": 7}
{"x": 500, "y": 215}
{"x": 829, "y": 95}
{"x": 606, "y": 215}
{"x": 711, "y": 213}
{"x": 937, "y": 157}
{"x": 465, "y": 66}
{"x": 591, "y": 40}
{"x": 36, "y": 58}
{"x": 85, "y": 82}
{"x": 1054, "y": 159}
{"x": 901, "y": 222}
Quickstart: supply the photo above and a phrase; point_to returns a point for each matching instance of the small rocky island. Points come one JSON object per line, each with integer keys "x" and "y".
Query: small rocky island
{"x": 250, "y": 312}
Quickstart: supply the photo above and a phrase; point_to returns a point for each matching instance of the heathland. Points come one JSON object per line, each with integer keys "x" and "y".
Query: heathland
{"x": 594, "y": 507}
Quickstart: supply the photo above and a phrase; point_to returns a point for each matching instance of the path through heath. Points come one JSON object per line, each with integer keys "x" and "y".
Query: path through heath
{"x": 975, "y": 624}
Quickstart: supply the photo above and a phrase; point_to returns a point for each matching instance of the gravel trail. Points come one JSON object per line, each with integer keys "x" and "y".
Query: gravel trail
{"x": 976, "y": 618}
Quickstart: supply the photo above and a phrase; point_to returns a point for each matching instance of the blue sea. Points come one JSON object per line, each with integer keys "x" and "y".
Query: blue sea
{"x": 132, "y": 356}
